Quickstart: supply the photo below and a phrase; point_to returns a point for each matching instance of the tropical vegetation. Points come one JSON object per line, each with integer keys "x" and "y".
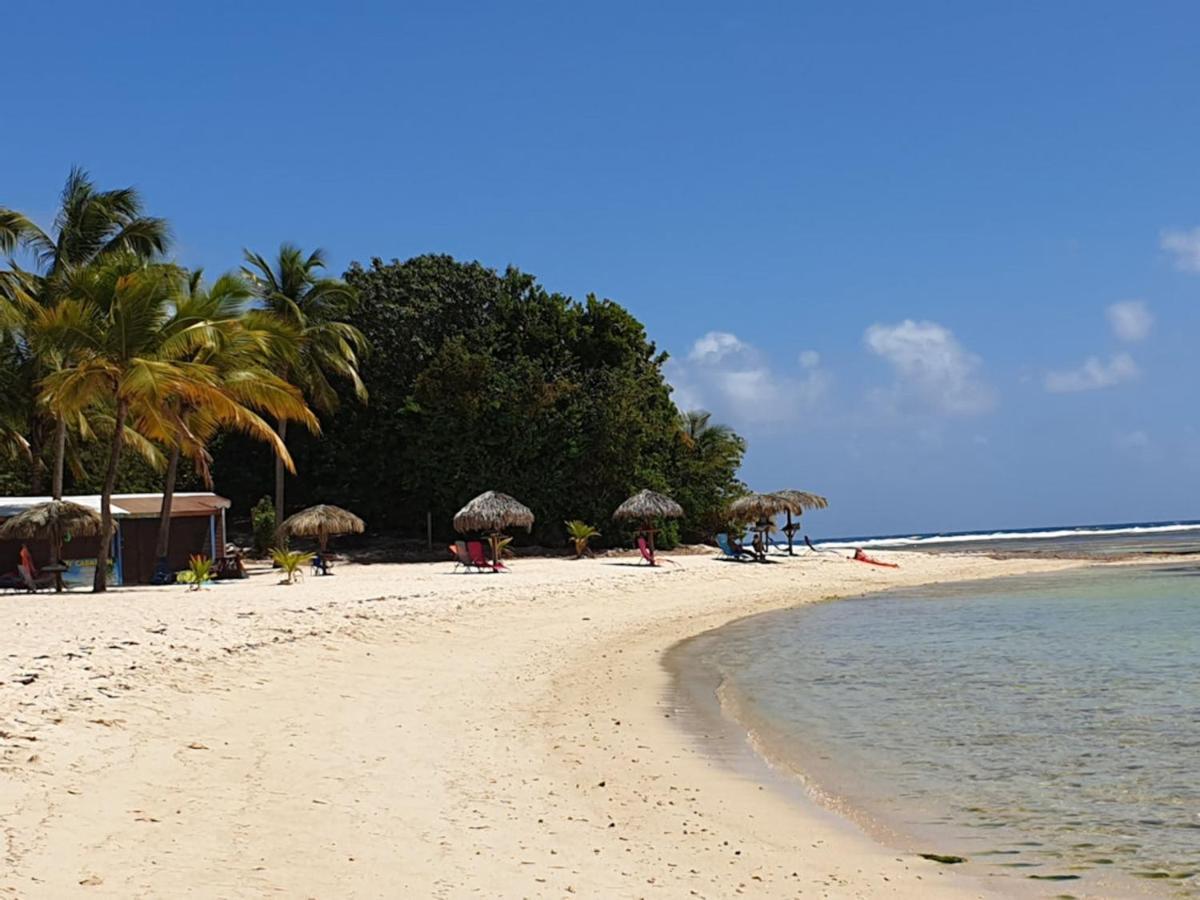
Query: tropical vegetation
{"x": 121, "y": 370}
{"x": 580, "y": 534}
{"x": 291, "y": 562}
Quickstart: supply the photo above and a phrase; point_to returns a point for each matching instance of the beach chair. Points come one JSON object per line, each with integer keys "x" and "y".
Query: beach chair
{"x": 321, "y": 564}
{"x": 732, "y": 549}
{"x": 647, "y": 553}
{"x": 479, "y": 559}
{"x": 35, "y": 581}
{"x": 461, "y": 559}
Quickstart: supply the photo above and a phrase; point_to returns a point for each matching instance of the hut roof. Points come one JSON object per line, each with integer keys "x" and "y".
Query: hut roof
{"x": 493, "y": 511}
{"x": 649, "y": 505}
{"x": 41, "y": 519}
{"x": 803, "y": 499}
{"x": 322, "y": 519}
{"x": 761, "y": 506}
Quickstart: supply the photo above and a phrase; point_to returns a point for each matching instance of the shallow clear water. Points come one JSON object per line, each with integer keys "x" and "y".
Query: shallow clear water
{"x": 1048, "y": 727}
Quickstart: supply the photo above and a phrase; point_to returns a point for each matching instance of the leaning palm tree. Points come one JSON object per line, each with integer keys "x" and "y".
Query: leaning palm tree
{"x": 89, "y": 226}
{"x": 326, "y": 347}
{"x": 134, "y": 353}
{"x": 236, "y": 351}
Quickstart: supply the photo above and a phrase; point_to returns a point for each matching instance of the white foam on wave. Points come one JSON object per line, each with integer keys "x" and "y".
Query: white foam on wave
{"x": 978, "y": 537}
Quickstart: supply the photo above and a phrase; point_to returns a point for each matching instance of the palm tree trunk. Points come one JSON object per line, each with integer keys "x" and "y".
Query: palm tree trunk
{"x": 37, "y": 473}
{"x": 280, "y": 474}
{"x": 100, "y": 583}
{"x": 164, "y": 516}
{"x": 60, "y": 457}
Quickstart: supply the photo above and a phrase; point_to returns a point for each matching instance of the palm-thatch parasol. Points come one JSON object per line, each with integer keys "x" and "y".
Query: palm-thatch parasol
{"x": 762, "y": 509}
{"x": 50, "y": 521}
{"x": 321, "y": 522}
{"x": 645, "y": 507}
{"x": 803, "y": 500}
{"x": 491, "y": 512}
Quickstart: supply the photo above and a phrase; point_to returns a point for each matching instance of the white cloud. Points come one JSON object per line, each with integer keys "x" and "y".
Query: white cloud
{"x": 736, "y": 382}
{"x": 932, "y": 368}
{"x": 715, "y": 346}
{"x": 1093, "y": 375}
{"x": 1131, "y": 320}
{"x": 1184, "y": 246}
{"x": 1133, "y": 440}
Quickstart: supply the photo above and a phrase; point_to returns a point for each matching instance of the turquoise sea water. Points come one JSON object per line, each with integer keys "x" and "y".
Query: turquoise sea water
{"x": 1045, "y": 728}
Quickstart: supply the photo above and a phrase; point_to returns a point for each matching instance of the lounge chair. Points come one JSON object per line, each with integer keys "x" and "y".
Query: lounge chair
{"x": 647, "y": 553}
{"x": 479, "y": 559}
{"x": 732, "y": 549}
{"x": 321, "y": 564}
{"x": 461, "y": 559}
{"x": 36, "y": 581}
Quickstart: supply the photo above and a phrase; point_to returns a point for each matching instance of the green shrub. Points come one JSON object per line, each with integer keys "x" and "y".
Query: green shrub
{"x": 262, "y": 522}
{"x": 291, "y": 561}
{"x": 580, "y": 532}
{"x": 199, "y": 571}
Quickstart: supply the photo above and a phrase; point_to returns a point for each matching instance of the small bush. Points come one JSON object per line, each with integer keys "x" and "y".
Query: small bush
{"x": 580, "y": 532}
{"x": 291, "y": 561}
{"x": 262, "y": 522}
{"x": 199, "y": 571}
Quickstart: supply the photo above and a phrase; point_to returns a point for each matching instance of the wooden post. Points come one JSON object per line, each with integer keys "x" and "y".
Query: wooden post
{"x": 429, "y": 529}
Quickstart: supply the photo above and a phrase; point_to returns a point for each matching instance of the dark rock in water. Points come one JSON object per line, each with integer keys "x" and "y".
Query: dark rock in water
{"x": 941, "y": 858}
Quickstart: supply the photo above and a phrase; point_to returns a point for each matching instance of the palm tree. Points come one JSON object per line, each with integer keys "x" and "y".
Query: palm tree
{"x": 707, "y": 463}
{"x": 133, "y": 354}
{"x": 325, "y": 348}
{"x": 237, "y": 352}
{"x": 90, "y": 225}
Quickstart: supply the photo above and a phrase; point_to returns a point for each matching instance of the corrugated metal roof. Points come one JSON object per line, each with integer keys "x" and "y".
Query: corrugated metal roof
{"x": 132, "y": 506}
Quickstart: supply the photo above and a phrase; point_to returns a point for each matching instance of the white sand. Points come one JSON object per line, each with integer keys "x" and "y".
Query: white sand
{"x": 398, "y": 731}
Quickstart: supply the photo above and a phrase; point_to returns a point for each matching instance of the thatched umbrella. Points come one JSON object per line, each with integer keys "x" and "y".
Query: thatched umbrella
{"x": 802, "y": 500}
{"x": 761, "y": 508}
{"x": 321, "y": 522}
{"x": 491, "y": 512}
{"x": 50, "y": 521}
{"x": 645, "y": 507}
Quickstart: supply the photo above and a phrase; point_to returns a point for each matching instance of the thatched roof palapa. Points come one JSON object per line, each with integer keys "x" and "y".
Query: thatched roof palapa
{"x": 51, "y": 519}
{"x": 646, "y": 505}
{"x": 803, "y": 500}
{"x": 493, "y": 511}
{"x": 761, "y": 506}
{"x": 322, "y": 521}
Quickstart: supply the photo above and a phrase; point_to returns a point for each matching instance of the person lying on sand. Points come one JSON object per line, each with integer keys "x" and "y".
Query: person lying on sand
{"x": 862, "y": 557}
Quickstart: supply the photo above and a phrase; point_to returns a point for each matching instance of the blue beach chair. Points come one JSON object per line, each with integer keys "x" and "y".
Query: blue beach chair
{"x": 732, "y": 552}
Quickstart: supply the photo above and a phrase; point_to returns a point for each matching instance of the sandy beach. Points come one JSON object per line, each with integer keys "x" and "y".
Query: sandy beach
{"x": 400, "y": 731}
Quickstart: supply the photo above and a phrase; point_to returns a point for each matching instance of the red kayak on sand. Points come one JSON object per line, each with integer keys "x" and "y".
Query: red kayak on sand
{"x": 862, "y": 557}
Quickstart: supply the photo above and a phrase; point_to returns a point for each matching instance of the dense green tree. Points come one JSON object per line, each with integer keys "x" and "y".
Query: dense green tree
{"x": 480, "y": 380}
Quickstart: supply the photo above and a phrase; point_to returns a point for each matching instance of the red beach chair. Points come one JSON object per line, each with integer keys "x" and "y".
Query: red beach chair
{"x": 478, "y": 559}
{"x": 647, "y": 553}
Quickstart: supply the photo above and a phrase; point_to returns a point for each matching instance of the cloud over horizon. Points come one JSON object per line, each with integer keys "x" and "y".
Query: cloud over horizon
{"x": 934, "y": 372}
{"x": 1131, "y": 320}
{"x": 1184, "y": 246}
{"x": 1093, "y": 375}
{"x": 738, "y": 384}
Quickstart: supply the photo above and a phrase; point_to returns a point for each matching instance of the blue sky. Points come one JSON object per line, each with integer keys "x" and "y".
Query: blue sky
{"x": 935, "y": 260}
